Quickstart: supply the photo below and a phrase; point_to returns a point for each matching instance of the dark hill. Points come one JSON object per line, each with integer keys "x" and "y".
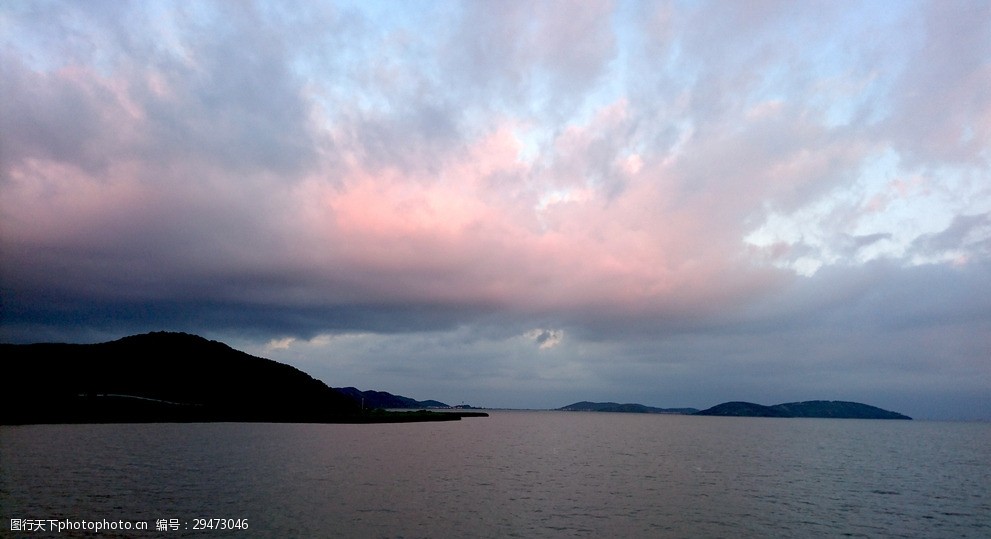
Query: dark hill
{"x": 586, "y": 406}
{"x": 820, "y": 409}
{"x": 164, "y": 377}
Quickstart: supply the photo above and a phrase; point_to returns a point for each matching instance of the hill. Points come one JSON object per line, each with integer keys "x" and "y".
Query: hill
{"x": 821, "y": 409}
{"x": 586, "y": 406}
{"x": 168, "y": 377}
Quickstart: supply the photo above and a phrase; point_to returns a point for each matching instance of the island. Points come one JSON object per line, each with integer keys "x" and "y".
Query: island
{"x": 820, "y": 409}
{"x": 586, "y": 406}
{"x": 172, "y": 377}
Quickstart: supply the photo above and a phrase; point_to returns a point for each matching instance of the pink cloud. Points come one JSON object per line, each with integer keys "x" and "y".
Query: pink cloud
{"x": 57, "y": 202}
{"x": 481, "y": 228}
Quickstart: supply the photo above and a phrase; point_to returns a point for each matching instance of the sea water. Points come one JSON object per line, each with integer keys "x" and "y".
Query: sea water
{"x": 513, "y": 474}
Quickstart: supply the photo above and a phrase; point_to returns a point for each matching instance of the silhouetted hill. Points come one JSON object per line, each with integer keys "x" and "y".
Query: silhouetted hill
{"x": 166, "y": 377}
{"x": 821, "y": 409}
{"x": 586, "y": 406}
{"x": 381, "y": 399}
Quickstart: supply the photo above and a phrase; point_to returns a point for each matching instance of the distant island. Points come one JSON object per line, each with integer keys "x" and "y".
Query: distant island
{"x": 819, "y": 409}
{"x": 177, "y": 377}
{"x": 586, "y": 406}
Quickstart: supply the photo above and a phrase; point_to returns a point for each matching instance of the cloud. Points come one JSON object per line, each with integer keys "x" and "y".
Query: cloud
{"x": 279, "y": 344}
{"x": 940, "y": 106}
{"x": 967, "y": 236}
{"x": 543, "y": 58}
{"x": 545, "y": 338}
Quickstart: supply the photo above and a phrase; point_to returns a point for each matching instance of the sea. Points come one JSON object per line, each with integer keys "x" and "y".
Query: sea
{"x": 512, "y": 474}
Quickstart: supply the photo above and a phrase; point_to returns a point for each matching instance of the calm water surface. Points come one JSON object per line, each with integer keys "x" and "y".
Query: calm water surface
{"x": 514, "y": 474}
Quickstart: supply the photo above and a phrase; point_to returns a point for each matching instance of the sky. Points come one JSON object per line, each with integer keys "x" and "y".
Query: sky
{"x": 514, "y": 204}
